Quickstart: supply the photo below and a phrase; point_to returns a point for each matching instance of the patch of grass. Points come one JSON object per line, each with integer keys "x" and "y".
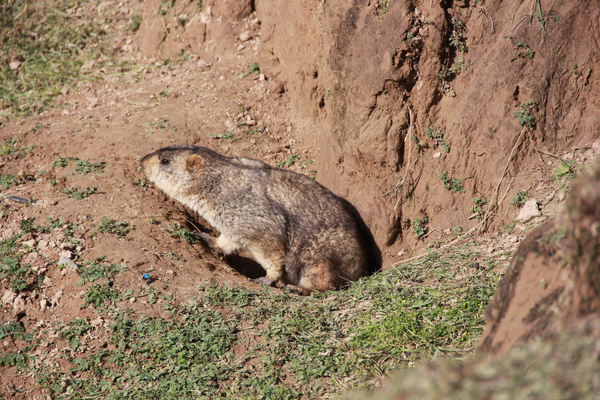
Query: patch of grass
{"x": 225, "y": 135}
{"x": 294, "y": 159}
{"x": 46, "y": 46}
{"x": 81, "y": 166}
{"x": 98, "y": 295}
{"x": 233, "y": 342}
{"x": 114, "y": 227}
{"x": 14, "y": 271}
{"x": 96, "y": 269}
{"x": 9, "y": 180}
{"x": 565, "y": 171}
{"x": 519, "y": 198}
{"x": 253, "y": 68}
{"x": 179, "y": 232}
{"x": 80, "y": 194}
{"x": 452, "y": 183}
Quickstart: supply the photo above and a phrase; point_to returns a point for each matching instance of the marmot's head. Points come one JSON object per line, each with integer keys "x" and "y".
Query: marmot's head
{"x": 177, "y": 170}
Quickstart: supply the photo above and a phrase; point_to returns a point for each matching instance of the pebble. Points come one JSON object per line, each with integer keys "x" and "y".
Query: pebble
{"x": 245, "y": 36}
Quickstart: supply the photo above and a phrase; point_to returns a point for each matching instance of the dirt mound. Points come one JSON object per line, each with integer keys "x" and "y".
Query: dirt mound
{"x": 406, "y": 93}
{"x": 554, "y": 277}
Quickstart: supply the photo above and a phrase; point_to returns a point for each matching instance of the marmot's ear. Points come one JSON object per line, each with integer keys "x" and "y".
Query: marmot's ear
{"x": 194, "y": 163}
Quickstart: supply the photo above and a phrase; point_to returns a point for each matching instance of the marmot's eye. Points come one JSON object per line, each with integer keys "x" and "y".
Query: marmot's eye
{"x": 164, "y": 161}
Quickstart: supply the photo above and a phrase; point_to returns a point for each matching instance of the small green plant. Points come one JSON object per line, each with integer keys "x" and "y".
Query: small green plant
{"x": 524, "y": 114}
{"x": 7, "y": 181}
{"x": 478, "y": 208}
{"x": 135, "y": 23}
{"x": 457, "y": 231}
{"x": 252, "y": 69}
{"x": 522, "y": 50}
{"x": 82, "y": 167}
{"x": 223, "y": 136}
{"x": 162, "y": 124}
{"x": 519, "y": 198}
{"x": 97, "y": 269}
{"x": 291, "y": 160}
{"x": 420, "y": 226}
{"x": 164, "y": 7}
{"x": 382, "y": 6}
{"x": 98, "y": 295}
{"x": 179, "y": 232}
{"x": 457, "y": 38}
{"x": 80, "y": 194}
{"x": 164, "y": 94}
{"x": 438, "y": 136}
{"x": 565, "y": 171}
{"x": 114, "y": 227}
{"x": 576, "y": 71}
{"x": 451, "y": 183}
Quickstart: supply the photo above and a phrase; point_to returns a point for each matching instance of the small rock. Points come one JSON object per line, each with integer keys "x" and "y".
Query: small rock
{"x": 437, "y": 155}
{"x": 132, "y": 300}
{"x": 65, "y": 254}
{"x": 42, "y": 245}
{"x": 14, "y": 65}
{"x": 29, "y": 243}
{"x": 19, "y": 305}
{"x": 261, "y": 77}
{"x": 530, "y": 210}
{"x": 8, "y": 297}
{"x": 67, "y": 262}
{"x": 245, "y": 36}
{"x": 56, "y": 298}
{"x": 44, "y": 304}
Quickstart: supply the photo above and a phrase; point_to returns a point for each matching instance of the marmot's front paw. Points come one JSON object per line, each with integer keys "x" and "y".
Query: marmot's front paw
{"x": 265, "y": 281}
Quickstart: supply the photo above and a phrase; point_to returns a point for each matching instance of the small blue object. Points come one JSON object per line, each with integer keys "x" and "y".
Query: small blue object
{"x": 146, "y": 277}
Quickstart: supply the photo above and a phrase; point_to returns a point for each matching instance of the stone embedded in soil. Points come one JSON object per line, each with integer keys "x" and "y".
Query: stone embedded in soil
{"x": 530, "y": 210}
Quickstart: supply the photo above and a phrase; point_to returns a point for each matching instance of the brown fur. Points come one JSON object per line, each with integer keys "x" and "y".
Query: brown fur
{"x": 297, "y": 230}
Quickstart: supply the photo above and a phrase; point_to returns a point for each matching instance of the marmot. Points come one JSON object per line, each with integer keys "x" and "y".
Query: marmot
{"x": 297, "y": 230}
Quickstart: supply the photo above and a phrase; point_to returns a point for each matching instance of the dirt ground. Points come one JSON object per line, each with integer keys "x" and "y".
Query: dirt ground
{"x": 214, "y": 98}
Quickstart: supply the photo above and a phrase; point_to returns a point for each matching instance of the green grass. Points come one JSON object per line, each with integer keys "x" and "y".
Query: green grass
{"x": 46, "y": 47}
{"x": 114, "y": 227}
{"x": 234, "y": 342}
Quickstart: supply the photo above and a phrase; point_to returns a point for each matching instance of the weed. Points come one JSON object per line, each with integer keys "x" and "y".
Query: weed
{"x": 524, "y": 114}
{"x": 164, "y": 94}
{"x": 457, "y": 38}
{"x": 522, "y": 50}
{"x": 457, "y": 231}
{"x": 519, "y": 198}
{"x": 252, "y": 69}
{"x": 82, "y": 167}
{"x": 382, "y": 6}
{"x": 164, "y": 7}
{"x": 8, "y": 180}
{"x": 97, "y": 295}
{"x": 142, "y": 182}
{"x": 478, "y": 208}
{"x": 420, "y": 226}
{"x": 162, "y": 124}
{"x": 73, "y": 331}
{"x": 576, "y": 71}
{"x": 95, "y": 269}
{"x": 451, "y": 183}
{"x": 114, "y": 227}
{"x": 134, "y": 25}
{"x": 565, "y": 171}
{"x": 78, "y": 194}
{"x": 438, "y": 136}
{"x": 226, "y": 135}
{"x": 178, "y": 232}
